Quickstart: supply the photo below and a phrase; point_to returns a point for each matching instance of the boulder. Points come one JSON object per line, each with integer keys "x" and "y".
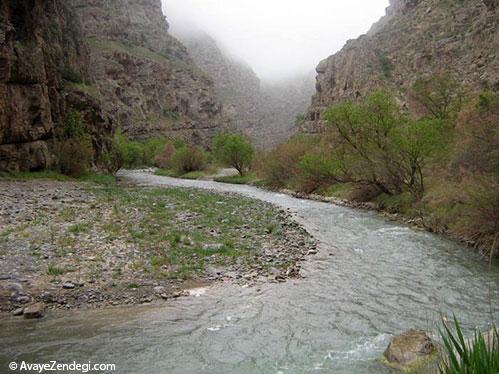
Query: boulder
{"x": 34, "y": 311}
{"x": 410, "y": 350}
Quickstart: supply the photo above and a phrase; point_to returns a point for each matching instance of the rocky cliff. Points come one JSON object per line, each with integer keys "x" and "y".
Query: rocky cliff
{"x": 40, "y": 44}
{"x": 144, "y": 76}
{"x": 416, "y": 38}
{"x": 265, "y": 112}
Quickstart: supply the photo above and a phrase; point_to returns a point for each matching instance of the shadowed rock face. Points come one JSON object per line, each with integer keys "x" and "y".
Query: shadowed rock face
{"x": 414, "y": 39}
{"x": 266, "y": 112}
{"x": 38, "y": 41}
{"x": 145, "y": 77}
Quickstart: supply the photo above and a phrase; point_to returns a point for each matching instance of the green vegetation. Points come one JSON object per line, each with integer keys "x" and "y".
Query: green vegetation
{"x": 188, "y": 159}
{"x": 235, "y": 151}
{"x": 71, "y": 75}
{"x": 138, "y": 154}
{"x": 440, "y": 169}
{"x": 55, "y": 271}
{"x": 180, "y": 231}
{"x": 478, "y": 356}
{"x": 237, "y": 179}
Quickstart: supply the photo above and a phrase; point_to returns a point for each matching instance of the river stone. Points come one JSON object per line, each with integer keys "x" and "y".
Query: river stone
{"x": 34, "y": 311}
{"x": 409, "y": 349}
{"x": 18, "y": 312}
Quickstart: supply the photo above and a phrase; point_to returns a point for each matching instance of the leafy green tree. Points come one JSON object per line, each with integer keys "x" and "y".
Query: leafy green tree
{"x": 234, "y": 150}
{"x": 377, "y": 144}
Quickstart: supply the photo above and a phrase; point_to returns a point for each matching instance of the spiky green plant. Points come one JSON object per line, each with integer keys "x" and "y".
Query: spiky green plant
{"x": 474, "y": 356}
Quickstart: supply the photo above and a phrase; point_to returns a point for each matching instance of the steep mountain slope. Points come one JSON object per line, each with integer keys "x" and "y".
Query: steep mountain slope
{"x": 265, "y": 112}
{"x": 145, "y": 77}
{"x": 414, "y": 39}
{"x": 40, "y": 43}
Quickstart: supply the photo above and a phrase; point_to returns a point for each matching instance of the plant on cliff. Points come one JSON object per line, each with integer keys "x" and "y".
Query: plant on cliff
{"x": 234, "y": 150}
{"x": 73, "y": 146}
{"x": 440, "y": 95}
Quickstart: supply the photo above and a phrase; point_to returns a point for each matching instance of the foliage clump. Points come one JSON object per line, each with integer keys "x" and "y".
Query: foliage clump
{"x": 234, "y": 150}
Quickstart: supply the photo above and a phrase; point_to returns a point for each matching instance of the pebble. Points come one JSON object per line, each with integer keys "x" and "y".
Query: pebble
{"x": 68, "y": 285}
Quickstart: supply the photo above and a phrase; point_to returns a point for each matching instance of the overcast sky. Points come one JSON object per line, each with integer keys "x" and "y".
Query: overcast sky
{"x": 277, "y": 38}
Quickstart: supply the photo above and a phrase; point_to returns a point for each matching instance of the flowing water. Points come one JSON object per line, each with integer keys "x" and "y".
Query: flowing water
{"x": 371, "y": 279}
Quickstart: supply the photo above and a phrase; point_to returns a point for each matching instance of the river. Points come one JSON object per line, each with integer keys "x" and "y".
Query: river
{"x": 371, "y": 279}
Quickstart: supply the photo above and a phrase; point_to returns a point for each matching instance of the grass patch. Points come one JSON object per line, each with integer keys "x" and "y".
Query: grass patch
{"x": 89, "y": 90}
{"x": 166, "y": 173}
{"x": 474, "y": 356}
{"x": 193, "y": 175}
{"x": 237, "y": 179}
{"x": 55, "y": 271}
{"x": 79, "y": 228}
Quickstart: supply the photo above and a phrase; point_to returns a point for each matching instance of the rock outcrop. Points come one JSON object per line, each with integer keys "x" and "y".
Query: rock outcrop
{"x": 263, "y": 111}
{"x": 144, "y": 76}
{"x": 40, "y": 42}
{"x": 416, "y": 38}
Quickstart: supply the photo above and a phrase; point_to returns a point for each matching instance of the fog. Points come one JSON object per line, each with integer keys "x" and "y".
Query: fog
{"x": 277, "y": 38}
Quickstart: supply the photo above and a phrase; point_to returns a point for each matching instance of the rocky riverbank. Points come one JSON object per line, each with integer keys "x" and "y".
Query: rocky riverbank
{"x": 71, "y": 245}
{"x": 420, "y": 223}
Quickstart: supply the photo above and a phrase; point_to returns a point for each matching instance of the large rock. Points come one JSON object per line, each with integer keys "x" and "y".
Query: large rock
{"x": 34, "y": 311}
{"x": 416, "y": 38}
{"x": 411, "y": 349}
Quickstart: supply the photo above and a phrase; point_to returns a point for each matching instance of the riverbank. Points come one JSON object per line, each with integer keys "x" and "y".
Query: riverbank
{"x": 421, "y": 221}
{"x": 70, "y": 244}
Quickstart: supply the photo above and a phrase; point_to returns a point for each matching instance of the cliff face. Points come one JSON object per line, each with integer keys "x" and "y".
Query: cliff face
{"x": 39, "y": 40}
{"x": 416, "y": 38}
{"x": 264, "y": 112}
{"x": 144, "y": 76}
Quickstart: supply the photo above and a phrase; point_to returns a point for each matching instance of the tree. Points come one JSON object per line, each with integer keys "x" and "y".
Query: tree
{"x": 440, "y": 95}
{"x": 234, "y": 150}
{"x": 379, "y": 145}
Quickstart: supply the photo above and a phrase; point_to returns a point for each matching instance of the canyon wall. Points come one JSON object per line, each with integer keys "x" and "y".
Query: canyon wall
{"x": 145, "y": 77}
{"x": 416, "y": 38}
{"x": 40, "y": 42}
{"x": 266, "y": 112}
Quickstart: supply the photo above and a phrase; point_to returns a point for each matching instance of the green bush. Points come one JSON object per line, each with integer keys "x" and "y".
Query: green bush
{"x": 71, "y": 75}
{"x": 188, "y": 159}
{"x": 235, "y": 151}
{"x": 139, "y": 154}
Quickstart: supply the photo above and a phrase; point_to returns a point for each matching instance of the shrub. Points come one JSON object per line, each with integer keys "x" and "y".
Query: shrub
{"x": 477, "y": 134}
{"x": 439, "y": 95}
{"x": 188, "y": 159}
{"x": 480, "y": 220}
{"x": 137, "y": 154}
{"x": 317, "y": 169}
{"x": 235, "y": 151}
{"x": 280, "y": 166}
{"x": 71, "y": 75}
{"x": 75, "y": 155}
{"x": 73, "y": 126}
{"x": 163, "y": 160}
